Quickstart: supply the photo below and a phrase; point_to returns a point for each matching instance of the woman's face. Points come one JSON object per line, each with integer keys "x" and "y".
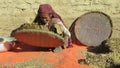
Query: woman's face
{"x": 45, "y": 17}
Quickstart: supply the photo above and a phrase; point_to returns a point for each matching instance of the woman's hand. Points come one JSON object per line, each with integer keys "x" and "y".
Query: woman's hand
{"x": 8, "y": 45}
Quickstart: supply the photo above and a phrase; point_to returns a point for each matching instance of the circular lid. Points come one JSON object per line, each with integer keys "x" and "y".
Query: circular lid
{"x": 93, "y": 28}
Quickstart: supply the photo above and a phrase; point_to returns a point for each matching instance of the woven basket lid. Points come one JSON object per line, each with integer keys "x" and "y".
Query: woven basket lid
{"x": 39, "y": 38}
{"x": 92, "y": 28}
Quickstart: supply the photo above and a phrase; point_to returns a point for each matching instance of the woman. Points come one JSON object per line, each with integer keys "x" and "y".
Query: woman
{"x": 49, "y": 18}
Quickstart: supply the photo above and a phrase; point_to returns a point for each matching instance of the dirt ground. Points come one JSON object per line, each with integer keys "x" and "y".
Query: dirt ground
{"x": 105, "y": 56}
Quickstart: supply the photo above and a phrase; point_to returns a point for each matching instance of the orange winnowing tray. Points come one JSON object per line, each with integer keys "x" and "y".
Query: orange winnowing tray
{"x": 39, "y": 38}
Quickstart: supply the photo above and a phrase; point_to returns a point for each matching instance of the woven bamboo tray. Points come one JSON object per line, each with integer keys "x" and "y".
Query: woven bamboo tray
{"x": 39, "y": 38}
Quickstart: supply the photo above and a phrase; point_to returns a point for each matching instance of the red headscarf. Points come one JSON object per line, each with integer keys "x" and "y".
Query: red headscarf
{"x": 46, "y": 8}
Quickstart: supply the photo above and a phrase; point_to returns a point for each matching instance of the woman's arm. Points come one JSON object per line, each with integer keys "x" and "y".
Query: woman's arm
{"x": 60, "y": 27}
{"x": 64, "y": 29}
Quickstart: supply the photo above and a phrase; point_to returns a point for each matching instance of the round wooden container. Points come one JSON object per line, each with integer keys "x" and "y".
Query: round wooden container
{"x": 91, "y": 29}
